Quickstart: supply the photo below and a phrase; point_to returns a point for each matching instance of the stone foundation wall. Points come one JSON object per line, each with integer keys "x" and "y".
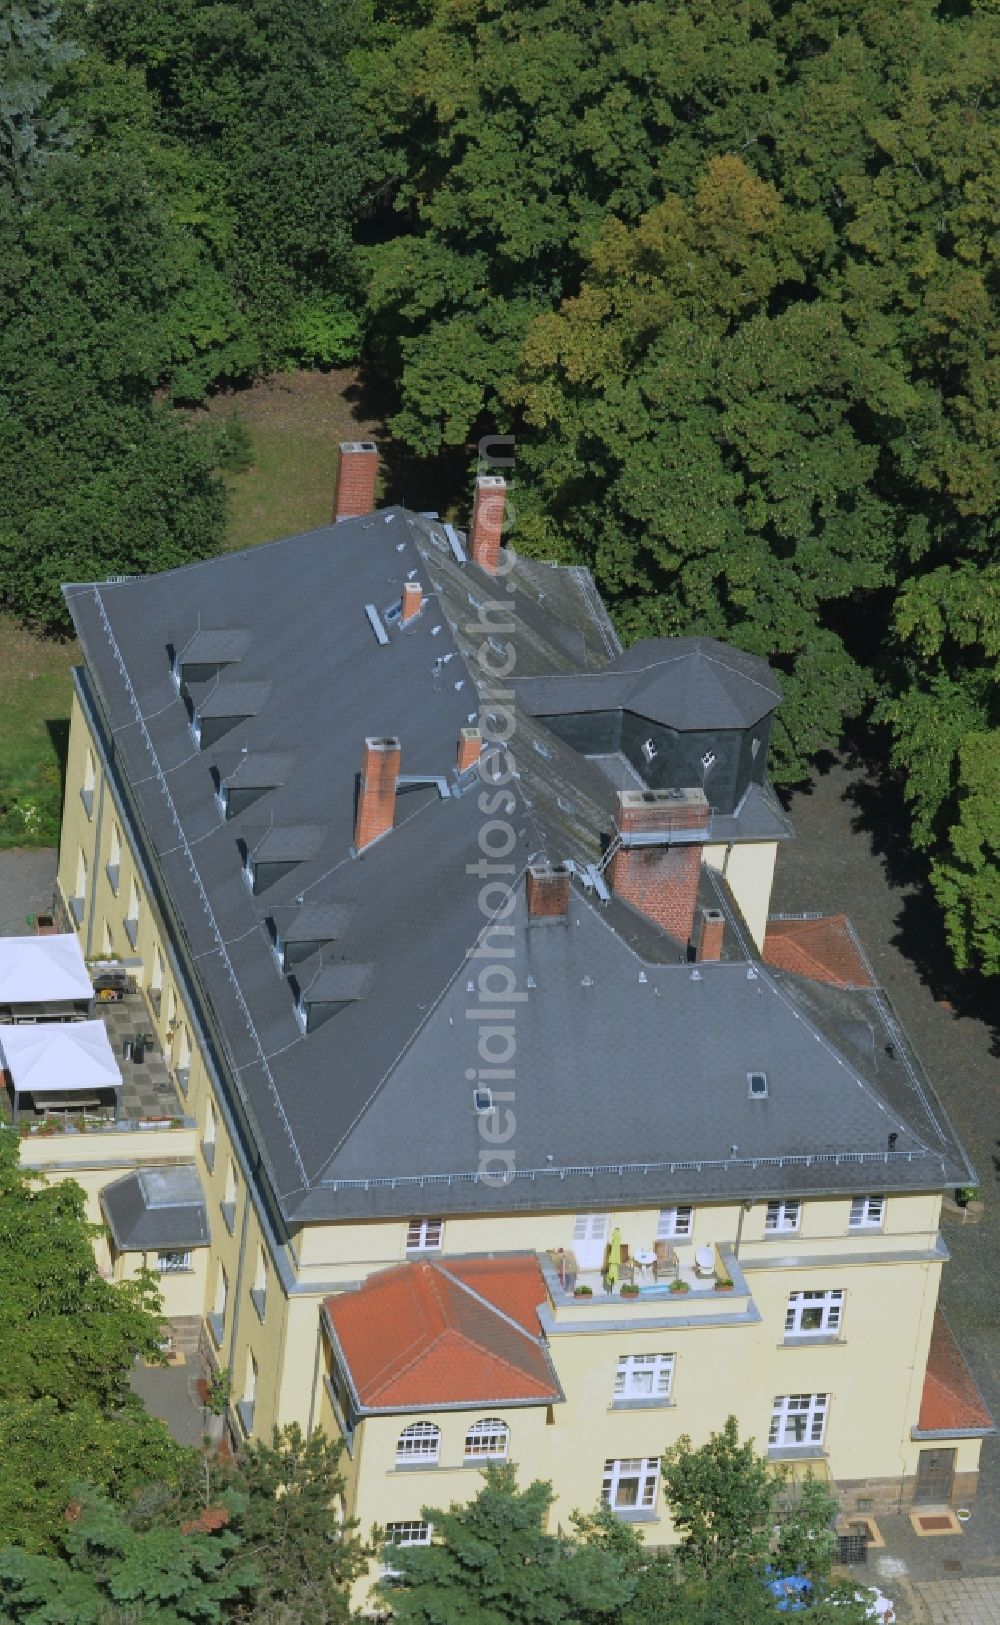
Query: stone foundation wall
{"x": 886, "y": 1496}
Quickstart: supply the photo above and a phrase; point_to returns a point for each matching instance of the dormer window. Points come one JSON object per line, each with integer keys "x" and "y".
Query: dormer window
{"x": 757, "y": 1085}
{"x": 248, "y": 871}
{"x": 708, "y": 760}
{"x": 649, "y": 749}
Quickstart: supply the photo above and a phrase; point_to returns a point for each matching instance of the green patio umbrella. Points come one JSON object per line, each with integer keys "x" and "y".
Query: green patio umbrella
{"x": 614, "y": 1257}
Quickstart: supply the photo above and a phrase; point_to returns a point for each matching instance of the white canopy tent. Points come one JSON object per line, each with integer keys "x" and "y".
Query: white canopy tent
{"x": 61, "y": 1062}
{"x": 43, "y": 971}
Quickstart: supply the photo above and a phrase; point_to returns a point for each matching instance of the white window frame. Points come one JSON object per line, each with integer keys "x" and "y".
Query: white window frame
{"x": 783, "y": 1218}
{"x": 867, "y": 1213}
{"x": 649, "y": 750}
{"x": 675, "y": 1222}
{"x": 413, "y": 1532}
{"x": 179, "y": 1261}
{"x": 791, "y": 1410}
{"x": 644, "y": 1376}
{"x": 420, "y": 1442}
{"x": 424, "y": 1235}
{"x": 828, "y": 1303}
{"x": 645, "y": 1470}
{"x": 488, "y": 1440}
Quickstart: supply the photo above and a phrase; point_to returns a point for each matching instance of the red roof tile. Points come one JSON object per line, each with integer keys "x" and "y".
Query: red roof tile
{"x": 951, "y": 1400}
{"x": 823, "y": 950}
{"x": 462, "y": 1332}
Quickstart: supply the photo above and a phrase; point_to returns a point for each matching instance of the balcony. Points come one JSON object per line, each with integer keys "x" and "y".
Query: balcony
{"x": 581, "y": 1296}
{"x": 148, "y": 1101}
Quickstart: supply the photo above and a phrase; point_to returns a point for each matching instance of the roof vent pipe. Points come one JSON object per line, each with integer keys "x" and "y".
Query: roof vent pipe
{"x": 376, "y": 809}
{"x": 487, "y": 522}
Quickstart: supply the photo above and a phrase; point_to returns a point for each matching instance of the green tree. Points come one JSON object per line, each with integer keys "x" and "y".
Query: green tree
{"x": 67, "y": 1342}
{"x": 291, "y": 1493}
{"x": 491, "y": 1564}
{"x": 115, "y": 1573}
{"x": 722, "y": 1498}
{"x": 33, "y": 128}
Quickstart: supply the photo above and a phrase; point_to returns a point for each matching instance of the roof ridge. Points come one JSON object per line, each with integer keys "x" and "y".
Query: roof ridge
{"x": 495, "y": 1308}
{"x": 395, "y": 1367}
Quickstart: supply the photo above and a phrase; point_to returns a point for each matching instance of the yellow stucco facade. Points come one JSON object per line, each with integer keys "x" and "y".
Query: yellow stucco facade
{"x": 259, "y": 1294}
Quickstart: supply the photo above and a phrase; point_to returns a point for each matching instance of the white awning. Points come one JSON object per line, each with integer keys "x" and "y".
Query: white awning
{"x": 39, "y": 970}
{"x": 60, "y": 1057}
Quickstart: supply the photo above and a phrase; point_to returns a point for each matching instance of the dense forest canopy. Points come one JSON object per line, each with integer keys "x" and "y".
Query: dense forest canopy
{"x": 727, "y": 271}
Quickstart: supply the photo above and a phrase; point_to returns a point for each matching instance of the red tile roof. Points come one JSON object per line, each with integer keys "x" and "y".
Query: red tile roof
{"x": 461, "y": 1332}
{"x": 951, "y": 1400}
{"x": 822, "y": 949}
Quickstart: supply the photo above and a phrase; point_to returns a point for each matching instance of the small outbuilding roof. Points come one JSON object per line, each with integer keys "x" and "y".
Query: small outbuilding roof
{"x": 39, "y": 970}
{"x": 59, "y": 1057}
{"x": 157, "y": 1208}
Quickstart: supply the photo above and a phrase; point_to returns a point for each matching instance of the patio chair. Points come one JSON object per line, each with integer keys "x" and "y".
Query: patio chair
{"x": 626, "y": 1269}
{"x": 666, "y": 1266}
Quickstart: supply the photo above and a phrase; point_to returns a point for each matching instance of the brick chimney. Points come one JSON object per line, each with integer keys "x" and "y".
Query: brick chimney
{"x": 470, "y": 748}
{"x": 413, "y": 599}
{"x": 487, "y": 522}
{"x": 547, "y": 891}
{"x": 377, "y": 792}
{"x": 659, "y": 836}
{"x": 356, "y": 475}
{"x": 709, "y": 928}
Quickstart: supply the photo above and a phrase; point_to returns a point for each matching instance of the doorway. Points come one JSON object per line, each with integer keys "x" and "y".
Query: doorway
{"x": 935, "y": 1474}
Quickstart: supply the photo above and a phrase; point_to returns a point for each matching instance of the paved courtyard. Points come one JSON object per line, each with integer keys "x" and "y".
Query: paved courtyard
{"x": 960, "y": 1602}
{"x": 27, "y": 881}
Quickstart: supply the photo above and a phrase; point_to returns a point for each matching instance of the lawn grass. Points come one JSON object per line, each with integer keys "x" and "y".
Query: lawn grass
{"x": 295, "y": 424}
{"x": 35, "y": 695}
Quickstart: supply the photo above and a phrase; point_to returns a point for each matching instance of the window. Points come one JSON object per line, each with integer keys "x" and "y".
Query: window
{"x": 217, "y": 1319}
{"x": 798, "y": 1419}
{"x": 228, "y": 1203}
{"x": 757, "y": 1085}
{"x": 208, "y": 1138}
{"x": 78, "y": 899}
{"x": 412, "y": 1533}
{"x": 424, "y": 1235}
{"x": 132, "y": 917}
{"x": 631, "y": 1483}
{"x": 649, "y": 749}
{"x": 107, "y": 943}
{"x": 708, "y": 760}
{"x": 89, "y": 782}
{"x": 782, "y": 1217}
{"x": 246, "y": 1405}
{"x": 487, "y": 1440}
{"x": 171, "y": 1007}
{"x": 421, "y": 1441}
{"x": 184, "y": 1059}
{"x": 867, "y": 1212}
{"x": 173, "y": 1263}
{"x": 644, "y": 1376}
{"x": 113, "y": 868}
{"x": 258, "y": 1292}
{"x": 813, "y": 1314}
{"x": 674, "y": 1221}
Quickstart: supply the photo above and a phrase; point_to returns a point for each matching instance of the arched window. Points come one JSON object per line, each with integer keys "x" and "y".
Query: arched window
{"x": 420, "y": 1442}
{"x": 487, "y": 1440}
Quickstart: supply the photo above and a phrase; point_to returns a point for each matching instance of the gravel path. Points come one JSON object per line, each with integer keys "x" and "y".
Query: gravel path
{"x": 849, "y": 856}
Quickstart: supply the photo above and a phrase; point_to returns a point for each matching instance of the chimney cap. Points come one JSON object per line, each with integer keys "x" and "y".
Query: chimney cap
{"x": 387, "y": 742}
{"x": 357, "y": 445}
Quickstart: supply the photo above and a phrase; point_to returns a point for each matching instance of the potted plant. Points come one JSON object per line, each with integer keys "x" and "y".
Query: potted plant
{"x": 583, "y": 1292}
{"x": 678, "y": 1286}
{"x": 970, "y": 1201}
{"x": 723, "y": 1284}
{"x": 629, "y": 1289}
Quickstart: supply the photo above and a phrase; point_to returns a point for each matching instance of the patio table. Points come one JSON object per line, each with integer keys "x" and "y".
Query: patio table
{"x": 645, "y": 1258}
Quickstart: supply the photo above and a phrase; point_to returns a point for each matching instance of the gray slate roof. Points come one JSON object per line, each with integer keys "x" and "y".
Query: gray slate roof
{"x": 157, "y": 1209}
{"x": 622, "y": 1061}
{"x": 684, "y": 683}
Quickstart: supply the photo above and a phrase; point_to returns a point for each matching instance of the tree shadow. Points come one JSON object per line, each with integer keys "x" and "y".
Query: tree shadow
{"x": 881, "y": 813}
{"x": 428, "y": 484}
{"x": 57, "y": 729}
